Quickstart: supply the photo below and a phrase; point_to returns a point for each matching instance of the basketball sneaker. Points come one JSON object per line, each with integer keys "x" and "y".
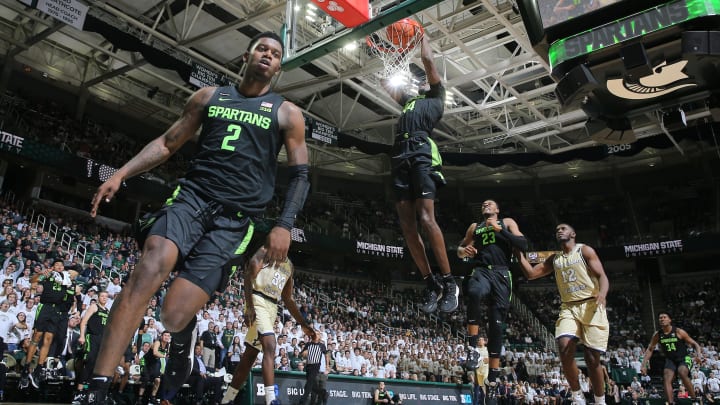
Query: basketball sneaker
{"x": 431, "y": 295}
{"x": 97, "y": 397}
{"x": 491, "y": 382}
{"x": 79, "y": 399}
{"x": 35, "y": 376}
{"x": 24, "y": 379}
{"x": 449, "y": 300}
{"x": 180, "y": 358}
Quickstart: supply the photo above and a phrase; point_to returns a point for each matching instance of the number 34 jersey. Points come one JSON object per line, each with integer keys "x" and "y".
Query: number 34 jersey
{"x": 573, "y": 278}
{"x": 235, "y": 162}
{"x": 272, "y": 278}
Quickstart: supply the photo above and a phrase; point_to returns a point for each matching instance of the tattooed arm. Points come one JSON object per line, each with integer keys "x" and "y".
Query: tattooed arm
{"x": 159, "y": 149}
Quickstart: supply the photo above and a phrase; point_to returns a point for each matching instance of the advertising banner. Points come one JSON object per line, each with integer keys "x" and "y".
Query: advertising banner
{"x": 654, "y": 248}
{"x": 344, "y": 390}
{"x": 539, "y": 257}
{"x": 379, "y": 249}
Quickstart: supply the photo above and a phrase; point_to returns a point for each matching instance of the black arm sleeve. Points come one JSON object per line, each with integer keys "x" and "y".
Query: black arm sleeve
{"x": 517, "y": 241}
{"x": 295, "y": 197}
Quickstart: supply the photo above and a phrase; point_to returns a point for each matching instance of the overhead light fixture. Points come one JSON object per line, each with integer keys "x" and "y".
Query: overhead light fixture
{"x": 398, "y": 80}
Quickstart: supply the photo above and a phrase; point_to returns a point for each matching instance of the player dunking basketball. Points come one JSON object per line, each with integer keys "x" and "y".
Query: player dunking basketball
{"x": 415, "y": 169}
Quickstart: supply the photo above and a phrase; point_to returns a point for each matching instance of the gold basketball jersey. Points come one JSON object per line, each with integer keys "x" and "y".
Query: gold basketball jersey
{"x": 573, "y": 278}
{"x": 271, "y": 279}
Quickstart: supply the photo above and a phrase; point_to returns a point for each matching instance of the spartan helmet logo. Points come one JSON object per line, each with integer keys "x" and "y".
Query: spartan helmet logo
{"x": 665, "y": 79}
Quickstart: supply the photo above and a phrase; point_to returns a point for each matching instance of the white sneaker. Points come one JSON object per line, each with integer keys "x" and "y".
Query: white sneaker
{"x": 79, "y": 399}
{"x": 120, "y": 370}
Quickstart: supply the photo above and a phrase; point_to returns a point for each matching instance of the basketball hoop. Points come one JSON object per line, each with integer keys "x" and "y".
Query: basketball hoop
{"x": 395, "y": 45}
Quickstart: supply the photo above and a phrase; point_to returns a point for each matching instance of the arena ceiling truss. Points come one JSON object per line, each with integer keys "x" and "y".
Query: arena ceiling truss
{"x": 502, "y": 99}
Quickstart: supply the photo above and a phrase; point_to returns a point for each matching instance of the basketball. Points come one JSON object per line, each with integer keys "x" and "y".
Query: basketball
{"x": 402, "y": 33}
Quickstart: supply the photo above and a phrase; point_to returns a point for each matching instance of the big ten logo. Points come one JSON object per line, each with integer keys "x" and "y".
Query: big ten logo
{"x": 261, "y": 390}
{"x": 465, "y": 399}
{"x": 619, "y": 148}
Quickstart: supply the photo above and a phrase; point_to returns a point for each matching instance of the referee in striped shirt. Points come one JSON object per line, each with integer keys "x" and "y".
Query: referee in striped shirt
{"x": 317, "y": 356}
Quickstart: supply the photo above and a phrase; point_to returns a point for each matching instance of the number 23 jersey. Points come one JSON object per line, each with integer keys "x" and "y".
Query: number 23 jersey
{"x": 235, "y": 162}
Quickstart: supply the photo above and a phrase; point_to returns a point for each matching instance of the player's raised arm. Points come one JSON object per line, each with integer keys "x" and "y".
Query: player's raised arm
{"x": 427, "y": 57}
{"x": 537, "y": 271}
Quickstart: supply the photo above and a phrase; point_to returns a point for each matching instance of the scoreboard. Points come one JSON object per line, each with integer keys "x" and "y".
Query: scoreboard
{"x": 620, "y": 59}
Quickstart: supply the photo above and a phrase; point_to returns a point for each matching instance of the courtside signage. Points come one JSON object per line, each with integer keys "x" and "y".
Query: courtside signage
{"x": 356, "y": 390}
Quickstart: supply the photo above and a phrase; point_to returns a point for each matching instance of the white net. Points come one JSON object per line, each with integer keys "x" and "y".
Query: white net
{"x": 395, "y": 46}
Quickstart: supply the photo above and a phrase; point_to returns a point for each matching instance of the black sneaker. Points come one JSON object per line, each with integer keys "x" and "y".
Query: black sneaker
{"x": 491, "y": 383}
{"x": 24, "y": 379}
{"x": 44, "y": 374}
{"x": 98, "y": 397}
{"x": 450, "y": 291}
{"x": 180, "y": 358}
{"x": 431, "y": 295}
{"x": 472, "y": 361}
{"x": 34, "y": 377}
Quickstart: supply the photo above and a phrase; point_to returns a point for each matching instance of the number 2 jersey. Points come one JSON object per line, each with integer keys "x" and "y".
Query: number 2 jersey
{"x": 573, "y": 278}
{"x": 235, "y": 162}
